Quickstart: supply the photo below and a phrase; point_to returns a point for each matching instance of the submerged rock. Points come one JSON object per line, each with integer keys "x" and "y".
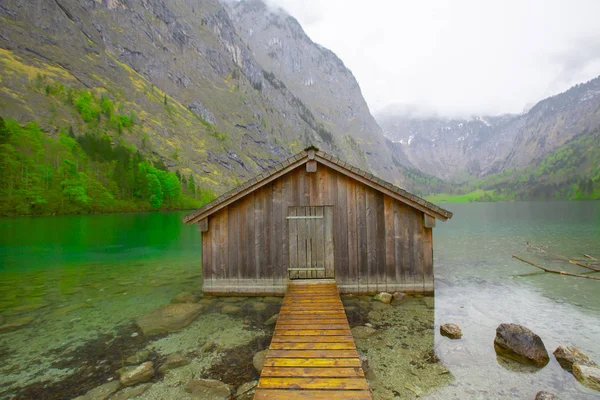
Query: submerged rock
{"x": 383, "y": 297}
{"x": 185, "y": 297}
{"x": 259, "y": 360}
{"x": 520, "y": 344}
{"x": 168, "y": 318}
{"x": 174, "y": 361}
{"x": 138, "y": 357}
{"x": 15, "y": 324}
{"x": 246, "y": 391}
{"x": 569, "y": 355}
{"x": 208, "y": 301}
{"x": 233, "y": 299}
{"x": 26, "y": 308}
{"x": 102, "y": 392}
{"x": 398, "y": 298}
{"x": 131, "y": 392}
{"x": 141, "y": 373}
{"x": 272, "y": 299}
{"x": 208, "y": 389}
{"x": 70, "y": 308}
{"x": 362, "y": 332}
{"x": 546, "y": 396}
{"x": 272, "y": 320}
{"x": 587, "y": 375}
{"x": 451, "y": 331}
{"x": 230, "y": 309}
{"x": 259, "y": 306}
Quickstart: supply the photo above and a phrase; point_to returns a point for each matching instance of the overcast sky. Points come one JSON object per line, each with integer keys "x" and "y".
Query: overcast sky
{"x": 457, "y": 58}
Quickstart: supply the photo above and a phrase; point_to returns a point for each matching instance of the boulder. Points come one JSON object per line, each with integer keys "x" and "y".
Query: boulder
{"x": 138, "y": 357}
{"x": 569, "y": 355}
{"x": 383, "y": 297}
{"x": 230, "y": 309}
{"x": 451, "y": 331}
{"x": 246, "y": 391}
{"x": 520, "y": 344}
{"x": 587, "y": 375}
{"x": 15, "y": 324}
{"x": 131, "y": 392}
{"x": 169, "y": 318}
{"x": 272, "y": 320}
{"x": 208, "y": 389}
{"x": 102, "y": 392}
{"x": 398, "y": 297}
{"x": 141, "y": 373}
{"x": 259, "y": 360}
{"x": 362, "y": 332}
{"x": 185, "y": 297}
{"x": 174, "y": 361}
{"x": 546, "y": 396}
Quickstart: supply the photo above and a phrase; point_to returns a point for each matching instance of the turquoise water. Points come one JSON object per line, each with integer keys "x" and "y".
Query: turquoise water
{"x": 73, "y": 279}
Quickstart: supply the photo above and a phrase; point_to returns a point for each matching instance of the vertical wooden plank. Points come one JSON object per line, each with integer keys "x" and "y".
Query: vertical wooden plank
{"x": 308, "y": 223}
{"x": 417, "y": 249}
{"x": 250, "y": 262}
{"x": 213, "y": 227}
{"x": 277, "y": 232}
{"x": 306, "y": 179}
{"x": 223, "y": 240}
{"x": 329, "y": 249}
{"x": 380, "y": 241}
{"x": 371, "y": 240}
{"x": 361, "y": 214}
{"x": 243, "y": 250}
{"x": 407, "y": 246}
{"x": 320, "y": 241}
{"x": 286, "y": 196}
{"x": 390, "y": 269}
{"x": 325, "y": 183}
{"x": 428, "y": 260}
{"x": 398, "y": 243}
{"x": 233, "y": 245}
{"x": 352, "y": 237}
{"x": 301, "y": 226}
{"x": 314, "y": 188}
{"x": 293, "y": 243}
{"x": 267, "y": 270}
{"x": 206, "y": 261}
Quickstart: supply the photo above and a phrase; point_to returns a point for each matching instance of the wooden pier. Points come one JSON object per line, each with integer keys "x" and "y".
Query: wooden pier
{"x": 312, "y": 354}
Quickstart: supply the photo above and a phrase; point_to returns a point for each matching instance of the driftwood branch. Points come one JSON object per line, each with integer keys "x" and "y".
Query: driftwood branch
{"x": 590, "y": 257}
{"x": 552, "y": 271}
{"x": 588, "y": 266}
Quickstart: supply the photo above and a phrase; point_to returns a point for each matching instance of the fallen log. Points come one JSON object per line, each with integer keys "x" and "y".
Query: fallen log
{"x": 552, "y": 271}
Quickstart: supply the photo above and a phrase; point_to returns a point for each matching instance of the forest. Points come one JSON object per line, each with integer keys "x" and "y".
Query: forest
{"x": 87, "y": 173}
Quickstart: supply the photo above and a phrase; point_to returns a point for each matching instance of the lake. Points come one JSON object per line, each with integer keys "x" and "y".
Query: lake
{"x": 75, "y": 284}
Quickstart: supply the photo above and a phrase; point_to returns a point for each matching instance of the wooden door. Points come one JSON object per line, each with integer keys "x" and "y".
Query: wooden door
{"x": 310, "y": 241}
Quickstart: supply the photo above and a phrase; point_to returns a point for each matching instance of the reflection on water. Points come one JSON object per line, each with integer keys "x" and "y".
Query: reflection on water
{"x": 71, "y": 288}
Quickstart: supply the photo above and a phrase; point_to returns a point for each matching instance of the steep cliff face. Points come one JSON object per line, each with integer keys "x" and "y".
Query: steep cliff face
{"x": 205, "y": 103}
{"x": 456, "y": 149}
{"x": 319, "y": 79}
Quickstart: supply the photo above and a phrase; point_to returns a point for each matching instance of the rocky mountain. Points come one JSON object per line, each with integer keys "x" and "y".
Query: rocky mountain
{"x": 461, "y": 149}
{"x": 212, "y": 97}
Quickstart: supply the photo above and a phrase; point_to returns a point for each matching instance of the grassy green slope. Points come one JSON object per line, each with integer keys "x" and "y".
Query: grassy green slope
{"x": 572, "y": 172}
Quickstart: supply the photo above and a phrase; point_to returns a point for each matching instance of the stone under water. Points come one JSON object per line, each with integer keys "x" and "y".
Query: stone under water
{"x": 520, "y": 344}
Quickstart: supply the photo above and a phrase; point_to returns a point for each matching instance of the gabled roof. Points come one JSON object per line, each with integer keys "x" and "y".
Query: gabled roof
{"x": 330, "y": 161}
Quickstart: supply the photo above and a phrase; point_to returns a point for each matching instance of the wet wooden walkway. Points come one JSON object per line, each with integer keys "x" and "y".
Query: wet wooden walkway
{"x": 312, "y": 354}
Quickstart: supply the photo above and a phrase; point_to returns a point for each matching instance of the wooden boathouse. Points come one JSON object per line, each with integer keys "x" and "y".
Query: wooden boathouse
{"x": 314, "y": 216}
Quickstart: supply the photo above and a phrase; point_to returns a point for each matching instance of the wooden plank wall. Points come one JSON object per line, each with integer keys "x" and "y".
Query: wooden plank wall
{"x": 379, "y": 243}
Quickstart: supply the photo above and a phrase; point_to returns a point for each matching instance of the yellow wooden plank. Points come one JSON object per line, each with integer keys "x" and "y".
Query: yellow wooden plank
{"x": 311, "y": 362}
{"x": 312, "y": 353}
{"x": 270, "y": 394}
{"x": 313, "y": 383}
{"x": 313, "y": 339}
{"x": 312, "y": 346}
{"x": 311, "y": 332}
{"x": 333, "y": 372}
{"x": 314, "y": 326}
{"x": 303, "y": 321}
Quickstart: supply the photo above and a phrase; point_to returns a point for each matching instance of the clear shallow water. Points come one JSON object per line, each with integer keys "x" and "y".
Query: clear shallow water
{"x": 75, "y": 279}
